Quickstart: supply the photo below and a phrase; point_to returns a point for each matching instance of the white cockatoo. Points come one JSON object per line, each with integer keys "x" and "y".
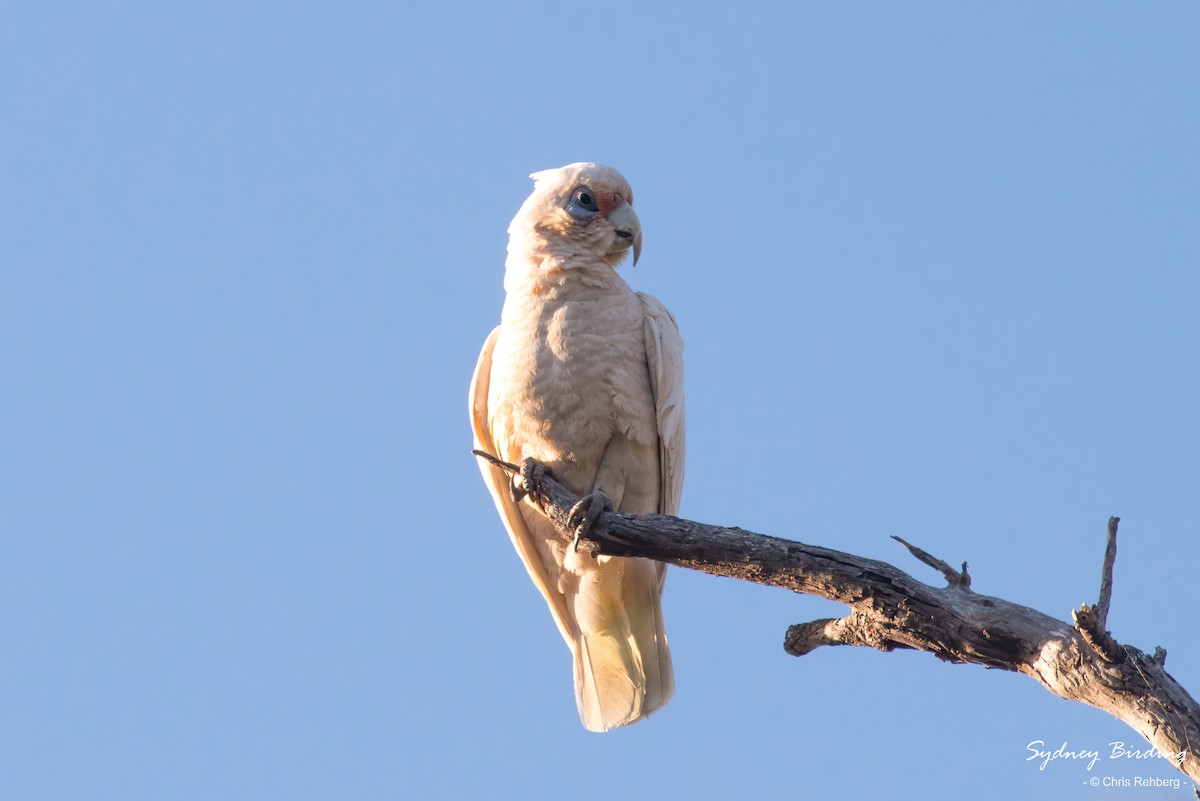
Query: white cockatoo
{"x": 586, "y": 376}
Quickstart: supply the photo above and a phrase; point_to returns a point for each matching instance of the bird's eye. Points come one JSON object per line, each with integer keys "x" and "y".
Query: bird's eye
{"x": 582, "y": 203}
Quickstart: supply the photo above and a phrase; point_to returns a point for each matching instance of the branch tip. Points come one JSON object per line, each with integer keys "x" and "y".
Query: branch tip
{"x": 804, "y": 638}
{"x": 495, "y": 461}
{"x": 953, "y": 577}
{"x": 1106, "y": 573}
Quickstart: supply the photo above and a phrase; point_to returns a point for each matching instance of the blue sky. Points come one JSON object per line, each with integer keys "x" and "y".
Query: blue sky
{"x": 935, "y": 266}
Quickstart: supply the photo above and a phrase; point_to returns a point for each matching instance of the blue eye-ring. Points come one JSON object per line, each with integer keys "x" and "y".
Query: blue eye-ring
{"x": 582, "y": 203}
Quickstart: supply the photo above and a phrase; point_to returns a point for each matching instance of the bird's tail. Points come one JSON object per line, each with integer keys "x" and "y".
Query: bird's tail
{"x": 622, "y": 664}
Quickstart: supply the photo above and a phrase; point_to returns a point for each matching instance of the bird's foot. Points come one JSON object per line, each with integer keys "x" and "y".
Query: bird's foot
{"x": 583, "y": 515}
{"x": 528, "y": 481}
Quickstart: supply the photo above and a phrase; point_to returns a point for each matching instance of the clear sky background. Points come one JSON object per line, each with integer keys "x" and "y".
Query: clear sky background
{"x": 936, "y": 266}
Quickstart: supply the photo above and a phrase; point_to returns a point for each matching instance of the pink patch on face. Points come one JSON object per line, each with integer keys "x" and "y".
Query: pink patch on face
{"x": 607, "y": 201}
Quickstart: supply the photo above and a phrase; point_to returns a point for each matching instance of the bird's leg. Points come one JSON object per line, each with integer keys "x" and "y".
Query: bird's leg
{"x": 583, "y": 515}
{"x": 528, "y": 481}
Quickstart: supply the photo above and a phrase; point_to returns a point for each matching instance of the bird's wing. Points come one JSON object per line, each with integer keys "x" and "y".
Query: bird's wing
{"x": 498, "y": 483}
{"x": 664, "y": 353}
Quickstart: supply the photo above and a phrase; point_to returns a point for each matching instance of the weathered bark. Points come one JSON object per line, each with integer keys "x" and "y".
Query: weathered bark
{"x": 890, "y": 609}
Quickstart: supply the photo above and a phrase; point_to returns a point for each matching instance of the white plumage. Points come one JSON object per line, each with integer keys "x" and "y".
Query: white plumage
{"x": 586, "y": 376}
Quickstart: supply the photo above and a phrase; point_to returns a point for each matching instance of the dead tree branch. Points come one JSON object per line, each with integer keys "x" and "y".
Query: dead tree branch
{"x": 890, "y": 609}
{"x": 1106, "y": 573}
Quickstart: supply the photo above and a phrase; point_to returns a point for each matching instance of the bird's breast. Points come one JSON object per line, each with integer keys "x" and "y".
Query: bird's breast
{"x": 568, "y": 375}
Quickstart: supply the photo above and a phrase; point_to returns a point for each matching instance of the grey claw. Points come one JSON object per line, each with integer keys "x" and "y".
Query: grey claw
{"x": 532, "y": 473}
{"x": 583, "y": 516}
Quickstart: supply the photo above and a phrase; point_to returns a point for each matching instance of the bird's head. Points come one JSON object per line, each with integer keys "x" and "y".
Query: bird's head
{"x": 580, "y": 213}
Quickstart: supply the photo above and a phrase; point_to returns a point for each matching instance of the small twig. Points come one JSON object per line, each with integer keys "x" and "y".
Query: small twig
{"x": 1106, "y": 575}
{"x": 804, "y": 638}
{"x": 953, "y": 577}
{"x": 856, "y": 628}
{"x": 497, "y": 462}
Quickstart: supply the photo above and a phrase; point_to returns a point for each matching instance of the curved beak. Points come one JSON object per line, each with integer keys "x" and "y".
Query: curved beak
{"x": 628, "y": 227}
